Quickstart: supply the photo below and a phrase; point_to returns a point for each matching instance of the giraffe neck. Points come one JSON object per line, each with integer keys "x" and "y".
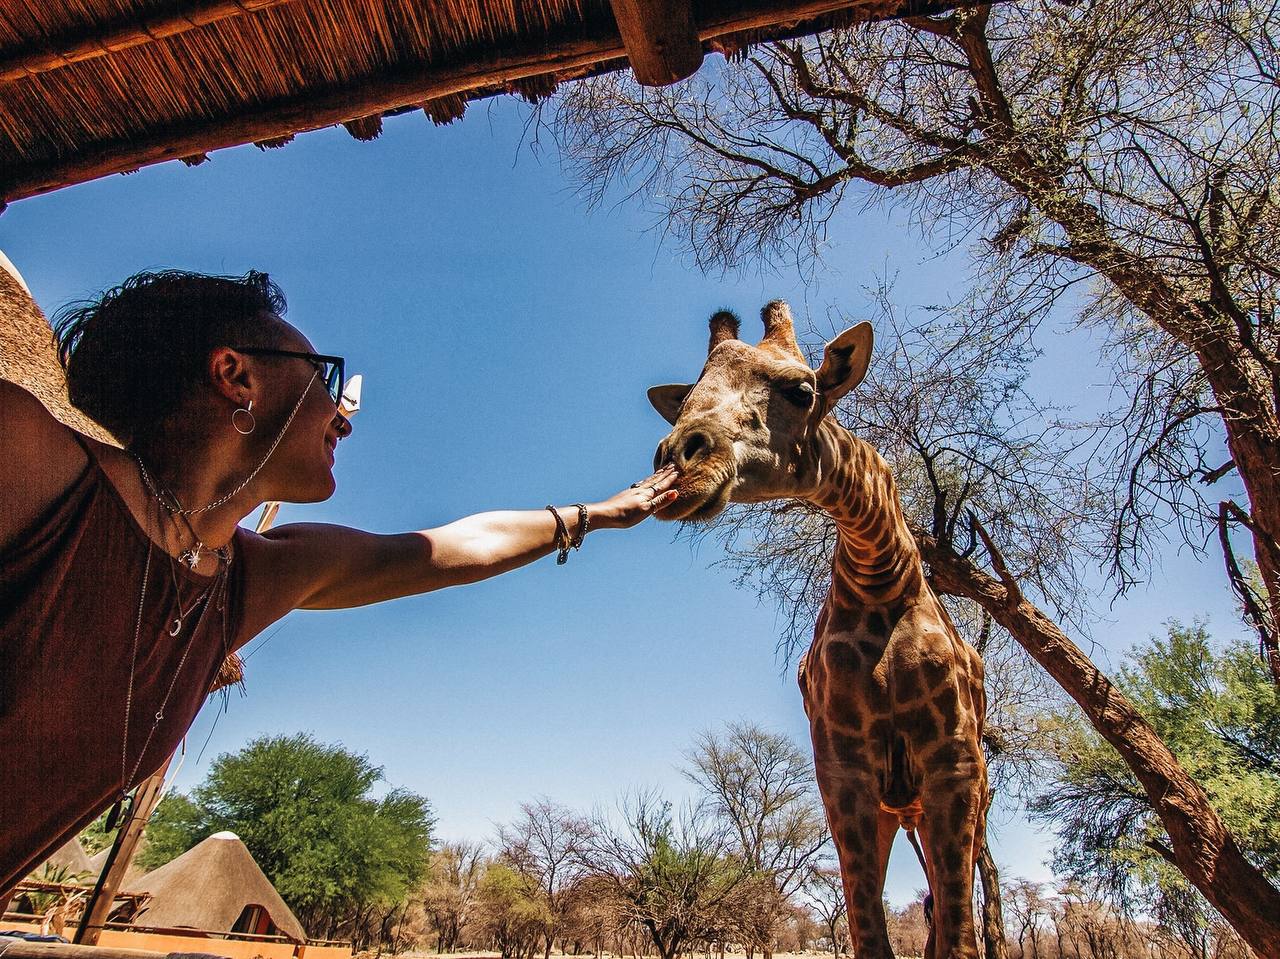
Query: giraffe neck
{"x": 876, "y": 561}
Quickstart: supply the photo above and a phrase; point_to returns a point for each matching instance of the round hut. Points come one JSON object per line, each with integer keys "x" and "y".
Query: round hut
{"x": 215, "y": 887}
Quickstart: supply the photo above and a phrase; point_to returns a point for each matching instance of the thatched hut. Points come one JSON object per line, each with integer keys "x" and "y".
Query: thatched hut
{"x": 71, "y": 858}
{"x": 214, "y": 887}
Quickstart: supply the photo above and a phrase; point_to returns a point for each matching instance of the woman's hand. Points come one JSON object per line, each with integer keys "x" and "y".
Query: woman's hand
{"x": 637, "y": 502}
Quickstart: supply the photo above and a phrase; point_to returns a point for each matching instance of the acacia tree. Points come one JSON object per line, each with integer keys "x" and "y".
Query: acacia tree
{"x": 1221, "y": 714}
{"x": 454, "y": 872}
{"x": 762, "y": 787}
{"x": 1129, "y": 144}
{"x": 547, "y": 845}
{"x": 824, "y": 890}
{"x": 669, "y": 875}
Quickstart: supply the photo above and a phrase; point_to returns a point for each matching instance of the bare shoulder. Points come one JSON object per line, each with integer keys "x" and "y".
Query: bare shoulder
{"x": 40, "y": 459}
{"x": 271, "y": 587}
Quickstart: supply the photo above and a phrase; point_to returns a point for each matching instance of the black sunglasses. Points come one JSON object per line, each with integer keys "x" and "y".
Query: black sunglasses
{"x": 332, "y": 369}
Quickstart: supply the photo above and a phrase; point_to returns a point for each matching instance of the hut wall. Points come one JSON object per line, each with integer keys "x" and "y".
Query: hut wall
{"x": 165, "y": 942}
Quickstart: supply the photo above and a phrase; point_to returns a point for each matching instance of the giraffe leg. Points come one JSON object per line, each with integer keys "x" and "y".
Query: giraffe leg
{"x": 953, "y": 808}
{"x": 863, "y": 837}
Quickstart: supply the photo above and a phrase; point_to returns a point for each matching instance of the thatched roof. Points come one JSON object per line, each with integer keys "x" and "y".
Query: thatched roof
{"x": 91, "y": 87}
{"x": 28, "y": 356}
{"x": 208, "y": 887}
{"x": 72, "y": 857}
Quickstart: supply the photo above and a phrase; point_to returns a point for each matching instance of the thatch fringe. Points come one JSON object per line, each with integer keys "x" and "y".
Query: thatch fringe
{"x": 273, "y": 143}
{"x": 230, "y": 673}
{"x": 195, "y": 159}
{"x": 534, "y": 89}
{"x": 444, "y": 110}
{"x": 365, "y": 128}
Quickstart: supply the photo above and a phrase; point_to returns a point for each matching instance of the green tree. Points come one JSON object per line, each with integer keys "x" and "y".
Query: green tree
{"x": 308, "y": 813}
{"x": 673, "y": 877}
{"x": 513, "y": 911}
{"x": 1220, "y": 713}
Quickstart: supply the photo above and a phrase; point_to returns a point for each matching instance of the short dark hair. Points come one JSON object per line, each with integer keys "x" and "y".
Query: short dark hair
{"x": 133, "y": 351}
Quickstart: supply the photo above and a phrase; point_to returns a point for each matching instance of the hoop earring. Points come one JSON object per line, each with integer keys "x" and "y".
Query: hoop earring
{"x": 247, "y": 411}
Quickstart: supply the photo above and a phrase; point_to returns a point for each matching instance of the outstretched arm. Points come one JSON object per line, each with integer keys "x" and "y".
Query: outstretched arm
{"x": 317, "y": 566}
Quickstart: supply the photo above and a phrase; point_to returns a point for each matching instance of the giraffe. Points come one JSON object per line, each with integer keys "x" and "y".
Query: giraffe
{"x": 893, "y": 694}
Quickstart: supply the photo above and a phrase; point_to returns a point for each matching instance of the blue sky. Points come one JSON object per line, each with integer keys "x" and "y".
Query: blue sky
{"x": 507, "y": 336}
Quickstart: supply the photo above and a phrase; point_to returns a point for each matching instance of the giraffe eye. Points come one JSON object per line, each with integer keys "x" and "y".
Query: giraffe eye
{"x": 801, "y": 395}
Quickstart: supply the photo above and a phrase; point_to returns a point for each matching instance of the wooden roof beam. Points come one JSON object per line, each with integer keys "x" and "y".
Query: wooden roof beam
{"x": 660, "y": 39}
{"x": 64, "y": 51}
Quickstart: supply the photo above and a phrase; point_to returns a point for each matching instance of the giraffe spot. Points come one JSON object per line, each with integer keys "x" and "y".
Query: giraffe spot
{"x": 952, "y": 859}
{"x": 955, "y": 888}
{"x": 876, "y": 624}
{"x": 948, "y": 752}
{"x": 843, "y": 657}
{"x": 936, "y": 672}
{"x": 918, "y": 725}
{"x": 819, "y": 730}
{"x": 845, "y": 746}
{"x": 880, "y": 730}
{"x": 959, "y": 812}
{"x": 849, "y": 836}
{"x": 948, "y": 704}
{"x": 867, "y": 826}
{"x": 907, "y": 685}
{"x": 872, "y": 651}
{"x": 847, "y": 802}
{"x": 865, "y": 921}
{"x": 844, "y": 712}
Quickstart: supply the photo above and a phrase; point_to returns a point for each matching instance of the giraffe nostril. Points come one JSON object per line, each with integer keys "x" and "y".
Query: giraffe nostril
{"x": 694, "y": 445}
{"x": 660, "y": 457}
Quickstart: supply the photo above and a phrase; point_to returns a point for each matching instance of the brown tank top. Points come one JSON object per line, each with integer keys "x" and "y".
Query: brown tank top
{"x": 68, "y": 608}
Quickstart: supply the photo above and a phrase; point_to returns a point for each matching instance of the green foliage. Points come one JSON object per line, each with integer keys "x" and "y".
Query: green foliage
{"x": 96, "y": 836}
{"x": 1220, "y": 714}
{"x": 307, "y": 813}
{"x": 175, "y": 826}
{"x": 513, "y": 910}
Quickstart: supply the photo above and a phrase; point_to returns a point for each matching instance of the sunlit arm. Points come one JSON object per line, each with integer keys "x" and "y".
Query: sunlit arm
{"x": 317, "y": 566}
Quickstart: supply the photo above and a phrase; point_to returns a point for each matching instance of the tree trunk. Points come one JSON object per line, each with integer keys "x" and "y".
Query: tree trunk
{"x": 1203, "y": 849}
{"x": 993, "y": 944}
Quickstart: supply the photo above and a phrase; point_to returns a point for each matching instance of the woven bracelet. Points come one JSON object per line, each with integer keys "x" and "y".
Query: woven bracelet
{"x": 584, "y": 523}
{"x": 562, "y": 537}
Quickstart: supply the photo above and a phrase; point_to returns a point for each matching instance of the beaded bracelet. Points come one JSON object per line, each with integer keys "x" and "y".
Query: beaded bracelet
{"x": 562, "y": 537}
{"x": 584, "y": 523}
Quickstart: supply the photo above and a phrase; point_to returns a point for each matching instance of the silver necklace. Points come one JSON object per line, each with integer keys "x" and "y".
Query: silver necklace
{"x": 127, "y": 775}
{"x": 169, "y": 500}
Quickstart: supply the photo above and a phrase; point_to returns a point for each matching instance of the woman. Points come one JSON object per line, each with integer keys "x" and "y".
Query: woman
{"x": 125, "y": 579}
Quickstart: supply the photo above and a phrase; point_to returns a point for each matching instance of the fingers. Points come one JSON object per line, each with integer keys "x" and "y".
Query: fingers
{"x": 662, "y": 480}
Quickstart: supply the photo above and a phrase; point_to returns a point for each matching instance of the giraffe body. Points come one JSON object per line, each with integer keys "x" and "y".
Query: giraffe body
{"x": 893, "y": 694}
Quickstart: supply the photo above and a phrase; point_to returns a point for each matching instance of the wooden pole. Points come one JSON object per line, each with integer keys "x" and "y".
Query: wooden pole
{"x": 660, "y": 39}
{"x": 121, "y": 35}
{"x": 370, "y": 95}
{"x": 96, "y": 910}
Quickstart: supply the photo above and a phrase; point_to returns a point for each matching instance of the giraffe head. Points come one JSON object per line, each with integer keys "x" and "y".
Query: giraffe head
{"x": 744, "y": 431}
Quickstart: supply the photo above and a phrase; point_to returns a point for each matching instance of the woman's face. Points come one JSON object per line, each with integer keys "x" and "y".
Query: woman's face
{"x": 301, "y": 468}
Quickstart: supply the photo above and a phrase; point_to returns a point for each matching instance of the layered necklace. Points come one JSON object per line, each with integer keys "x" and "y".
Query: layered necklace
{"x": 174, "y": 622}
{"x": 213, "y": 593}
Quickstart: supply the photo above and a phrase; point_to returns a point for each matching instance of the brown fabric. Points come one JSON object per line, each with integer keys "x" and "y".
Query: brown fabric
{"x": 68, "y": 606}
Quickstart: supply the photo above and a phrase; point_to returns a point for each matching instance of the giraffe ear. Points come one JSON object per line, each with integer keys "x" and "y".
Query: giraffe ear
{"x": 667, "y": 399}
{"x": 844, "y": 363}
